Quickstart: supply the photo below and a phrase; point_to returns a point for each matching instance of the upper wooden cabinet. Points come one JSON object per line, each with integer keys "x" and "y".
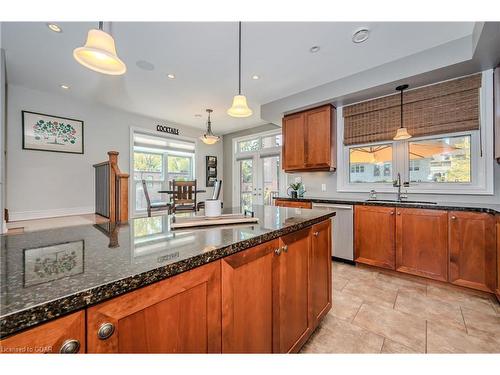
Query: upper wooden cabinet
{"x": 177, "y": 315}
{"x": 422, "y": 242}
{"x": 63, "y": 335}
{"x": 473, "y": 250}
{"x": 321, "y": 271}
{"x": 374, "y": 236}
{"x": 247, "y": 300}
{"x": 496, "y": 94}
{"x": 309, "y": 141}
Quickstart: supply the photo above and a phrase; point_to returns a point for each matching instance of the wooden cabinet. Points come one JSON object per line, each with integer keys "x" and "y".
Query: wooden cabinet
{"x": 374, "y": 236}
{"x": 497, "y": 291}
{"x": 177, "y": 315}
{"x": 422, "y": 242}
{"x": 309, "y": 140}
{"x": 291, "y": 293}
{"x": 247, "y": 300}
{"x": 320, "y": 271}
{"x": 295, "y": 204}
{"x": 472, "y": 250}
{"x": 63, "y": 335}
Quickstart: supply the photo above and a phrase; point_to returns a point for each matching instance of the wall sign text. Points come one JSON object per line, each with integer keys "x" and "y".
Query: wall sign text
{"x": 167, "y": 129}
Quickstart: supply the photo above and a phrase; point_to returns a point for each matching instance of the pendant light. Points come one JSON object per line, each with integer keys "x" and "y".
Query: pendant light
{"x": 240, "y": 106}
{"x": 99, "y": 53}
{"x": 402, "y": 132}
{"x": 209, "y": 138}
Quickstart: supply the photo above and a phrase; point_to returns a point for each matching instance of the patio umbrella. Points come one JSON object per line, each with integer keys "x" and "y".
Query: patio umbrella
{"x": 418, "y": 150}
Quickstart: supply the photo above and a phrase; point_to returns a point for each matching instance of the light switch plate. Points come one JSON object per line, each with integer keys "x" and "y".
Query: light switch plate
{"x": 323, "y": 187}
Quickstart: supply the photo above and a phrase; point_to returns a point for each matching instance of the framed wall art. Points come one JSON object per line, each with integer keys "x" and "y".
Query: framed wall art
{"x": 211, "y": 170}
{"x": 42, "y": 132}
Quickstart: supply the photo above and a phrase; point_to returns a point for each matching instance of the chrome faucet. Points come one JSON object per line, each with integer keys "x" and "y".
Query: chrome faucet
{"x": 397, "y": 183}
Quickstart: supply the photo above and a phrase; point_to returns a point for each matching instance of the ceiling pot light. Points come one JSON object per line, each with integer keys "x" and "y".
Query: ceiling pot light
{"x": 314, "y": 49}
{"x": 402, "y": 132}
{"x": 240, "y": 106}
{"x": 197, "y": 115}
{"x": 99, "y": 53}
{"x": 360, "y": 35}
{"x": 171, "y": 76}
{"x": 145, "y": 65}
{"x": 209, "y": 138}
{"x": 65, "y": 87}
{"x": 255, "y": 76}
{"x": 54, "y": 27}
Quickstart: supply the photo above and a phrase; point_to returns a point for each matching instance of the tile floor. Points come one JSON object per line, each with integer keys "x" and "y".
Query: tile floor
{"x": 18, "y": 227}
{"x": 379, "y": 312}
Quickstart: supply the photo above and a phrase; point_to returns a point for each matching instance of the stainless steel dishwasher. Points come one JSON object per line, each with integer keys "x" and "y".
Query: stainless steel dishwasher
{"x": 342, "y": 230}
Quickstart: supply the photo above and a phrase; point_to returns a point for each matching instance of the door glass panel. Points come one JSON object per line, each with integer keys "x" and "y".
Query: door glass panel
{"x": 250, "y": 145}
{"x": 270, "y": 180}
{"x": 147, "y": 166}
{"x": 370, "y": 164}
{"x": 246, "y": 183}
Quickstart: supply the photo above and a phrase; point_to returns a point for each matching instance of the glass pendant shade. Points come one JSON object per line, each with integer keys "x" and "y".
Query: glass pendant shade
{"x": 401, "y": 134}
{"x": 209, "y": 139}
{"x": 99, "y": 54}
{"x": 239, "y": 107}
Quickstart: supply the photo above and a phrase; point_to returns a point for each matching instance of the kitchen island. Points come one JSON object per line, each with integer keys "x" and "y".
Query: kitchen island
{"x": 143, "y": 287}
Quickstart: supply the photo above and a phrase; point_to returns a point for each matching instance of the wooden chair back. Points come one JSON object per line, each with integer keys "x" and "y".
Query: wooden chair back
{"x": 184, "y": 194}
{"x": 146, "y": 193}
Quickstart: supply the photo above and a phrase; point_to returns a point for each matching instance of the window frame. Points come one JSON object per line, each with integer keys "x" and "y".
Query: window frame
{"x": 482, "y": 172}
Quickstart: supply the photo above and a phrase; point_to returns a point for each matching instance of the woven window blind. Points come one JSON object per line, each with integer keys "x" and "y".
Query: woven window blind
{"x": 446, "y": 107}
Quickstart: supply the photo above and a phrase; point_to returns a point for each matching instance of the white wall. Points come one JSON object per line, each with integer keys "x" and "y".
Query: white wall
{"x": 2, "y": 135}
{"x": 45, "y": 184}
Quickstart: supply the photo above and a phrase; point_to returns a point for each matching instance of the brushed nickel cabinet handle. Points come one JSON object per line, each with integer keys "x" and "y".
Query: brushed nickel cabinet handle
{"x": 70, "y": 346}
{"x": 105, "y": 331}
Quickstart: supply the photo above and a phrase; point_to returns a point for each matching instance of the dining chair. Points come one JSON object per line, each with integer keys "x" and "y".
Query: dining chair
{"x": 184, "y": 196}
{"x": 215, "y": 194}
{"x": 154, "y": 206}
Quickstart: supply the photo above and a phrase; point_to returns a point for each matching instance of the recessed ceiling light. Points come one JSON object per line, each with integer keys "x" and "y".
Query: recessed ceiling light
{"x": 54, "y": 27}
{"x": 360, "y": 35}
{"x": 197, "y": 115}
{"x": 64, "y": 87}
{"x": 172, "y": 76}
{"x": 145, "y": 65}
{"x": 314, "y": 49}
{"x": 255, "y": 76}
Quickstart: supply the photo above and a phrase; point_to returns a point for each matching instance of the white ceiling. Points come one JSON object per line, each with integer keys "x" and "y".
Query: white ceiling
{"x": 203, "y": 57}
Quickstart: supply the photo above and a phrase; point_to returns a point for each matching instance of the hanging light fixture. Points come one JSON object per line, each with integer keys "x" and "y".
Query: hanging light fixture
{"x": 402, "y": 132}
{"x": 240, "y": 106}
{"x": 99, "y": 53}
{"x": 209, "y": 138}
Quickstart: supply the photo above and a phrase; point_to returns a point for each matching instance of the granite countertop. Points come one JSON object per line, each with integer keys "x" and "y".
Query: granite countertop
{"x": 50, "y": 273}
{"x": 450, "y": 206}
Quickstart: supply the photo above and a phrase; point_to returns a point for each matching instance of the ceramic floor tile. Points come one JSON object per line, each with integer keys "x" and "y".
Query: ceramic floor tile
{"x": 345, "y": 305}
{"x": 355, "y": 272}
{"x": 371, "y": 291}
{"x": 395, "y": 325}
{"x": 339, "y": 336}
{"x": 393, "y": 347}
{"x": 430, "y": 308}
{"x": 442, "y": 338}
{"x": 461, "y": 297}
{"x": 403, "y": 282}
{"x": 339, "y": 282}
{"x": 479, "y": 323}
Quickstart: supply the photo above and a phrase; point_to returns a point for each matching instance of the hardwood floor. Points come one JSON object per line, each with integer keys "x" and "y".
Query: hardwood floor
{"x": 375, "y": 311}
{"x": 17, "y": 227}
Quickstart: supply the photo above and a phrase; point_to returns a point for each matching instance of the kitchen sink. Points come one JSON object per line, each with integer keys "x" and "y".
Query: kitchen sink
{"x": 401, "y": 201}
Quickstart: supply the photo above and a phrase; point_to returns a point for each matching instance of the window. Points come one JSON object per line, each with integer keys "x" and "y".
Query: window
{"x": 372, "y": 160}
{"x": 272, "y": 141}
{"x": 250, "y": 145}
{"x": 445, "y": 159}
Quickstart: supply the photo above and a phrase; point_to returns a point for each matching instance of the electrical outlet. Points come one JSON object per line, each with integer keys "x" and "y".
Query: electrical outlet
{"x": 323, "y": 187}
{"x": 298, "y": 179}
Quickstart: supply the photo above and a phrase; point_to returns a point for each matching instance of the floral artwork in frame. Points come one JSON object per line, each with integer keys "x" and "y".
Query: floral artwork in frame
{"x": 43, "y": 132}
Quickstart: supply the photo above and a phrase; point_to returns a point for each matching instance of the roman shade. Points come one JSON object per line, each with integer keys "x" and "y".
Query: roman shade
{"x": 446, "y": 107}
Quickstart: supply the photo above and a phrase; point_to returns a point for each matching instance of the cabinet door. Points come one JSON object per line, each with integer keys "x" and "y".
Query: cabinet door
{"x": 422, "y": 242}
{"x": 374, "y": 236}
{"x": 63, "y": 335}
{"x": 247, "y": 300}
{"x": 320, "y": 271}
{"x": 295, "y": 204}
{"x": 293, "y": 142}
{"x": 319, "y": 138}
{"x": 291, "y": 319}
{"x": 472, "y": 250}
{"x": 497, "y": 292}
{"x": 177, "y": 315}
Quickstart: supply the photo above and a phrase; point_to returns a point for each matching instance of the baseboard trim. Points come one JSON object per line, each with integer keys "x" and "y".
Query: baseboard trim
{"x": 336, "y": 259}
{"x": 43, "y": 214}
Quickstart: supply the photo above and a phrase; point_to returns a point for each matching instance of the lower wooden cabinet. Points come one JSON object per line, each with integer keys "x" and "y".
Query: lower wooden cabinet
{"x": 177, "y": 315}
{"x": 472, "y": 250}
{"x": 63, "y": 335}
{"x": 247, "y": 300}
{"x": 320, "y": 271}
{"x": 291, "y": 293}
{"x": 497, "y": 291}
{"x": 294, "y": 204}
{"x": 374, "y": 236}
{"x": 422, "y": 242}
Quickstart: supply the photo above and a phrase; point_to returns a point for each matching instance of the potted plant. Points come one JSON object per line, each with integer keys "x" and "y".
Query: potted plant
{"x": 296, "y": 190}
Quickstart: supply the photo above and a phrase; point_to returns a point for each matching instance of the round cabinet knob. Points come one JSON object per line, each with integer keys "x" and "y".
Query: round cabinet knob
{"x": 392, "y": 212}
{"x": 285, "y": 248}
{"x": 277, "y": 251}
{"x": 105, "y": 331}
{"x": 453, "y": 218}
{"x": 70, "y": 346}
{"x": 399, "y": 213}
{"x": 316, "y": 234}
